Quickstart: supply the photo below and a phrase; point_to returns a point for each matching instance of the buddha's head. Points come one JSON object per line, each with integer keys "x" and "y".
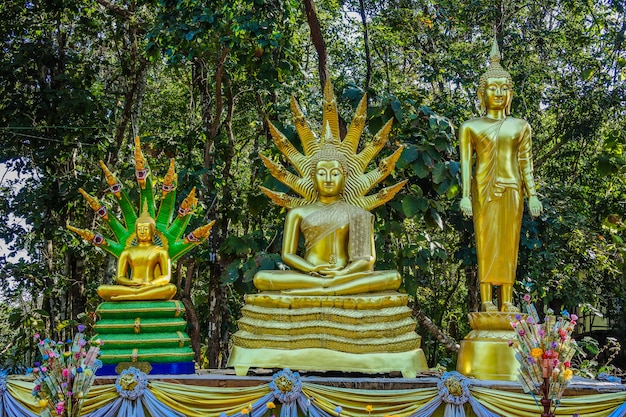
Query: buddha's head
{"x": 329, "y": 178}
{"x": 145, "y": 226}
{"x": 495, "y": 90}
{"x": 329, "y": 169}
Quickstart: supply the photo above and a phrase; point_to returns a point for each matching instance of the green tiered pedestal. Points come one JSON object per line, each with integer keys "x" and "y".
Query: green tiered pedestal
{"x": 144, "y": 331}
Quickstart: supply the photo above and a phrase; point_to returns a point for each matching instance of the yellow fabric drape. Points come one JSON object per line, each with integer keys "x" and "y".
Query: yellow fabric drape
{"x": 353, "y": 401}
{"x": 510, "y": 404}
{"x": 197, "y": 401}
{"x": 22, "y": 392}
{"x": 98, "y": 397}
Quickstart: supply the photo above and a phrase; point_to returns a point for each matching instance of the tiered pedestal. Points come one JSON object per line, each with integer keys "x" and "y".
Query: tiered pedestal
{"x": 144, "y": 332}
{"x": 485, "y": 352}
{"x": 369, "y": 333}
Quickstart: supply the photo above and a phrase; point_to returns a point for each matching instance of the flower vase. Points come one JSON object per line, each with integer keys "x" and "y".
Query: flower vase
{"x": 545, "y": 401}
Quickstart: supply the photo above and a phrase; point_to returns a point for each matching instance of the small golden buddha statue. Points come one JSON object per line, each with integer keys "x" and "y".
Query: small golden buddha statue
{"x": 150, "y": 243}
{"x": 494, "y": 193}
{"x": 143, "y": 270}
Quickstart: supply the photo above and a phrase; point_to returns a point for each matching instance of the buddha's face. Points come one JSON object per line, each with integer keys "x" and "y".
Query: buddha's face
{"x": 145, "y": 232}
{"x": 497, "y": 93}
{"x": 329, "y": 178}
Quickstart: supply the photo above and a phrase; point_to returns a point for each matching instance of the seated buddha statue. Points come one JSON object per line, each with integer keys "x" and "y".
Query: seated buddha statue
{"x": 146, "y": 245}
{"x": 339, "y": 254}
{"x": 143, "y": 271}
{"x": 330, "y": 310}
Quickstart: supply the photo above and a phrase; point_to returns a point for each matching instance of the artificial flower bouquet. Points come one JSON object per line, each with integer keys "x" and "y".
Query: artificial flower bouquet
{"x": 544, "y": 351}
{"x": 65, "y": 375}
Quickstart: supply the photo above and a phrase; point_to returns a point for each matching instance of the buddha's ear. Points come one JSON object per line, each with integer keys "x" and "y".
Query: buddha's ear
{"x": 481, "y": 102}
{"x": 509, "y": 100}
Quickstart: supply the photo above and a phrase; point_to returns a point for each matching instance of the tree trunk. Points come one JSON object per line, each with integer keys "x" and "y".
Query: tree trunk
{"x": 190, "y": 310}
{"x": 318, "y": 40}
{"x": 368, "y": 59}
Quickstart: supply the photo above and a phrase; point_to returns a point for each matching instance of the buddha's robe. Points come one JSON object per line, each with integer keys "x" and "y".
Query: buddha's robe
{"x": 502, "y": 175}
{"x": 325, "y": 226}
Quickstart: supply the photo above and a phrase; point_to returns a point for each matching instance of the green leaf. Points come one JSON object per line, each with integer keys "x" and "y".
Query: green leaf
{"x": 440, "y": 172}
{"x": 231, "y": 272}
{"x": 433, "y": 219}
{"x": 412, "y": 205}
{"x": 396, "y": 106}
{"x": 420, "y": 169}
{"x": 409, "y": 154}
{"x": 410, "y": 285}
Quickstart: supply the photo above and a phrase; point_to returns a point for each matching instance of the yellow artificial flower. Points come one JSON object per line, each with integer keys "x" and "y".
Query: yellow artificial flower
{"x": 536, "y": 353}
{"x": 270, "y": 405}
{"x": 244, "y": 411}
{"x": 567, "y": 374}
{"x": 369, "y": 408}
{"x": 43, "y": 403}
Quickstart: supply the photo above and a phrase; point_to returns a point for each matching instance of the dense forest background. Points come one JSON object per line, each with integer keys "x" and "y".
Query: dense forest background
{"x": 198, "y": 80}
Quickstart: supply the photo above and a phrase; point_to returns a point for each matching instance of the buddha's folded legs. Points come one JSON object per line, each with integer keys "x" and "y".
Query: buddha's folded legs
{"x": 124, "y": 293}
{"x": 295, "y": 283}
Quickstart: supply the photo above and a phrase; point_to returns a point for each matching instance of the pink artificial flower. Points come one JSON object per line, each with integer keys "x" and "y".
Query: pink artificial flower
{"x": 65, "y": 372}
{"x": 44, "y": 369}
{"x": 573, "y": 317}
{"x": 527, "y": 298}
{"x": 60, "y": 407}
{"x": 566, "y": 364}
{"x": 36, "y": 336}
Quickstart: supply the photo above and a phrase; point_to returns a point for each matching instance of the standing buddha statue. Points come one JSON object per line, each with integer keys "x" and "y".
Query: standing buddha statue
{"x": 496, "y": 173}
{"x": 494, "y": 193}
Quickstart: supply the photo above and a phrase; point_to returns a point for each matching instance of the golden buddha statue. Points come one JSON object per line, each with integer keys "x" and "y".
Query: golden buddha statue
{"x": 143, "y": 270}
{"x": 147, "y": 247}
{"x": 339, "y": 252}
{"x": 331, "y": 310}
{"x": 494, "y": 193}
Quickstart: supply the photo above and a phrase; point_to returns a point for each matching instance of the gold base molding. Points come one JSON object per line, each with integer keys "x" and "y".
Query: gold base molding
{"x": 408, "y": 363}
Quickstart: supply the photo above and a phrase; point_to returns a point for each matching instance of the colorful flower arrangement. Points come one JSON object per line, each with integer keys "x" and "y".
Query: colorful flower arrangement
{"x": 65, "y": 375}
{"x": 544, "y": 351}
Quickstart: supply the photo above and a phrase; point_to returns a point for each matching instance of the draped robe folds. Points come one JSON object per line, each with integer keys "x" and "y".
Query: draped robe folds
{"x": 503, "y": 174}
{"x": 328, "y": 219}
{"x": 328, "y": 223}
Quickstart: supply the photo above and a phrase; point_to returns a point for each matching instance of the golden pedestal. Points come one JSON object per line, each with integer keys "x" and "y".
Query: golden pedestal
{"x": 370, "y": 333}
{"x": 485, "y": 352}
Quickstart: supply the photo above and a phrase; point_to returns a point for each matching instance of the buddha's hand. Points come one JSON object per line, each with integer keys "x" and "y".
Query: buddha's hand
{"x": 333, "y": 271}
{"x": 466, "y": 206}
{"x": 318, "y": 270}
{"x": 535, "y": 206}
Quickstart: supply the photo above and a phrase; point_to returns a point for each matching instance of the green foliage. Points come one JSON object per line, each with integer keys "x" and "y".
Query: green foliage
{"x": 219, "y": 70}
